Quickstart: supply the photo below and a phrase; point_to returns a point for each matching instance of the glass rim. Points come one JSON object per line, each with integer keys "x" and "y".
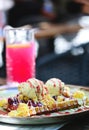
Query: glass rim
{"x": 30, "y": 29}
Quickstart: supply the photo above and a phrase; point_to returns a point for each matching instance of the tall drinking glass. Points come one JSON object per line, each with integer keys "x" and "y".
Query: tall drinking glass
{"x": 20, "y": 54}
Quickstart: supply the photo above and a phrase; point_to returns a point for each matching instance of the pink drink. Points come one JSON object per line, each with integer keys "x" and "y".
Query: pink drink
{"x": 20, "y": 62}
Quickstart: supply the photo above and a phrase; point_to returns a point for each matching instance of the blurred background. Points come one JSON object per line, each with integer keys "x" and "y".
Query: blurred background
{"x": 62, "y": 36}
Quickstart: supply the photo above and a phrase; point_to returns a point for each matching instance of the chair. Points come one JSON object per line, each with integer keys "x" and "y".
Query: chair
{"x": 69, "y": 68}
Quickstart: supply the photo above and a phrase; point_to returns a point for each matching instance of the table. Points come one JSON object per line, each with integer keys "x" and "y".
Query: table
{"x": 54, "y": 30}
{"x": 2, "y": 81}
{"x": 80, "y": 124}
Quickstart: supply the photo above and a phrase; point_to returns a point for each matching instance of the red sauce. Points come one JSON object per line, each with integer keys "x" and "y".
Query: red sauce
{"x": 66, "y": 112}
{"x": 41, "y": 83}
{"x": 12, "y": 107}
{"x": 79, "y": 110}
{"x": 3, "y": 112}
{"x": 86, "y": 108}
{"x": 47, "y": 114}
{"x": 30, "y": 84}
{"x": 42, "y": 95}
{"x": 38, "y": 89}
{"x": 46, "y": 89}
{"x": 53, "y": 82}
{"x": 59, "y": 82}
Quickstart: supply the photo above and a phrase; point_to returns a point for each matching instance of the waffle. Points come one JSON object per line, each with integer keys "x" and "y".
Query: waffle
{"x": 40, "y": 98}
{"x": 73, "y": 103}
{"x": 47, "y": 105}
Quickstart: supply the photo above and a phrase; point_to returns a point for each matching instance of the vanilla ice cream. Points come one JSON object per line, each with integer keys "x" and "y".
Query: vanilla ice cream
{"x": 33, "y": 89}
{"x": 56, "y": 87}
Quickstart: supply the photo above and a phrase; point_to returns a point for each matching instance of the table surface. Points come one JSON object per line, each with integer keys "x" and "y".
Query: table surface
{"x": 77, "y": 124}
{"x": 2, "y": 81}
{"x": 54, "y": 30}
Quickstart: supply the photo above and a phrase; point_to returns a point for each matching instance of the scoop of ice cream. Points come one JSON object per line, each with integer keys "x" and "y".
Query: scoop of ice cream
{"x": 33, "y": 89}
{"x": 56, "y": 87}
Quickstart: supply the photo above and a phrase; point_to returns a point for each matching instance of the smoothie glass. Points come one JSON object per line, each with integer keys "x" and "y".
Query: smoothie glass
{"x": 20, "y": 54}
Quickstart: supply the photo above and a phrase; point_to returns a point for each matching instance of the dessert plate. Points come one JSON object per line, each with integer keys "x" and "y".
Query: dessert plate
{"x": 55, "y": 117}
